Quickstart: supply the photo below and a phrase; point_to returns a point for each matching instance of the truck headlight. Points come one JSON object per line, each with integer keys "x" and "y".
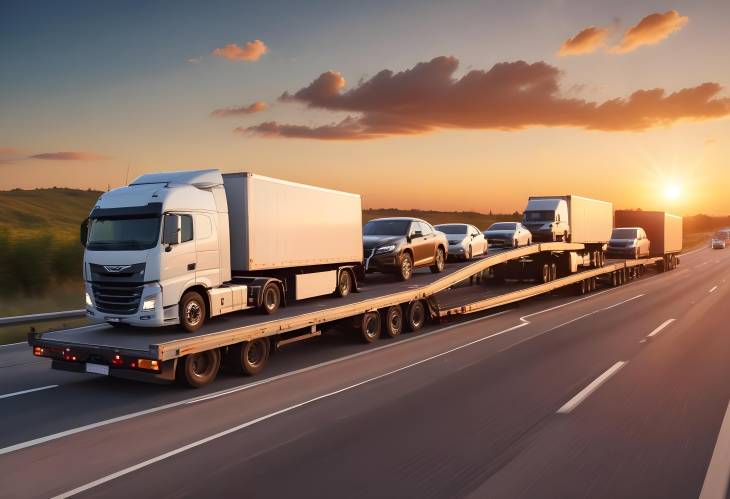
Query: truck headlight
{"x": 385, "y": 249}
{"x": 88, "y": 300}
{"x": 148, "y": 304}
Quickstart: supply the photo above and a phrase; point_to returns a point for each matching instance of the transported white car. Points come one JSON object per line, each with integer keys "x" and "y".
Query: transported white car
{"x": 508, "y": 235}
{"x": 465, "y": 241}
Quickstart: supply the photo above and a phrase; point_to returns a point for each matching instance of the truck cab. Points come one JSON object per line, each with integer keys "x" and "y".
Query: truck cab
{"x": 547, "y": 219}
{"x": 148, "y": 243}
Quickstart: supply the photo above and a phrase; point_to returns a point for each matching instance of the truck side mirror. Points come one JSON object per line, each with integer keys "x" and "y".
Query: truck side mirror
{"x": 171, "y": 229}
{"x": 84, "y": 232}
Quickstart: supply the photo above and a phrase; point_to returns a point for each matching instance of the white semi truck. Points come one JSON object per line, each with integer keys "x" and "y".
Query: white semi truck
{"x": 178, "y": 247}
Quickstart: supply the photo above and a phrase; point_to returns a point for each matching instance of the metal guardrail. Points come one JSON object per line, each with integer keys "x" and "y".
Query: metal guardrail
{"x": 48, "y": 316}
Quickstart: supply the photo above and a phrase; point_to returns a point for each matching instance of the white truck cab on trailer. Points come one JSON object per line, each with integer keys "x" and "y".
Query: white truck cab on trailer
{"x": 158, "y": 251}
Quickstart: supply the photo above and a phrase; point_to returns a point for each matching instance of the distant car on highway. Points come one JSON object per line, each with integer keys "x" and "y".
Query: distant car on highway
{"x": 508, "y": 235}
{"x": 721, "y": 239}
{"x": 628, "y": 242}
{"x": 465, "y": 241}
{"x": 399, "y": 245}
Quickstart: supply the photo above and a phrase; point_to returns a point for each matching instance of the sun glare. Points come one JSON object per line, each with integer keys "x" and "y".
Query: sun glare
{"x": 672, "y": 191}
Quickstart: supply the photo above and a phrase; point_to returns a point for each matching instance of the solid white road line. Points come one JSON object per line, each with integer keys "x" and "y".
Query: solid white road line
{"x": 585, "y": 392}
{"x": 712, "y": 289}
{"x": 23, "y": 392}
{"x": 252, "y": 422}
{"x": 715, "y": 485}
{"x": 660, "y": 328}
{"x": 152, "y": 410}
{"x": 14, "y": 344}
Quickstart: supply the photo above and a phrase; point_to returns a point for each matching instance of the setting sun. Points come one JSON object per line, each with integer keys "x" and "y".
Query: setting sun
{"x": 672, "y": 191}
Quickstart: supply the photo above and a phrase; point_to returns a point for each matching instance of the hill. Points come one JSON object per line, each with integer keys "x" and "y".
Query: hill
{"x": 53, "y": 211}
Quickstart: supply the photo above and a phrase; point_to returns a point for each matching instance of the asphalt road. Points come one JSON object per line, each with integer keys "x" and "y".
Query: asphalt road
{"x": 622, "y": 393}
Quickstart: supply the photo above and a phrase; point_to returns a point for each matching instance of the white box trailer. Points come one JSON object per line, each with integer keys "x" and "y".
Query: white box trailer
{"x": 276, "y": 224}
{"x": 570, "y": 218}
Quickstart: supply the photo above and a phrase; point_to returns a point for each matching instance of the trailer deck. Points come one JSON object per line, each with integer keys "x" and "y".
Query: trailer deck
{"x": 99, "y": 343}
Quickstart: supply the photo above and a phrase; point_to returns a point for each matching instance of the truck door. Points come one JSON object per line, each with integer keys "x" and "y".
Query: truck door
{"x": 207, "y": 270}
{"x": 179, "y": 261}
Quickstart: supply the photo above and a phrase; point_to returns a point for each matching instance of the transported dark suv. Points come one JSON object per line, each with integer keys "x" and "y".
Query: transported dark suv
{"x": 399, "y": 245}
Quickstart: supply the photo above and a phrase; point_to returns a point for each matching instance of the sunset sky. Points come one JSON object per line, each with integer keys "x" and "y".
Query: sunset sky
{"x": 470, "y": 106}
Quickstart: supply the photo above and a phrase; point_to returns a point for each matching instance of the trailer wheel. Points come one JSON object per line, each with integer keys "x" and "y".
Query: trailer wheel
{"x": 415, "y": 316}
{"x": 199, "y": 369}
{"x": 250, "y": 357}
{"x": 405, "y": 270}
{"x": 439, "y": 261}
{"x": 270, "y": 299}
{"x": 192, "y": 311}
{"x": 545, "y": 273}
{"x": 344, "y": 283}
{"x": 393, "y": 321}
{"x": 370, "y": 327}
{"x": 580, "y": 287}
{"x": 553, "y": 271}
{"x": 614, "y": 279}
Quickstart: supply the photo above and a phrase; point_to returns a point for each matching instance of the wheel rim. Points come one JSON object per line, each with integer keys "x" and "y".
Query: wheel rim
{"x": 396, "y": 322}
{"x": 200, "y": 365}
{"x": 417, "y": 316}
{"x": 406, "y": 266}
{"x": 255, "y": 354}
{"x": 193, "y": 313}
{"x": 371, "y": 327}
{"x": 270, "y": 298}
{"x": 344, "y": 282}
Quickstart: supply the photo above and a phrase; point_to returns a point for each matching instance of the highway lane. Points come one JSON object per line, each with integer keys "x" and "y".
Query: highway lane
{"x": 87, "y": 399}
{"x": 494, "y": 355}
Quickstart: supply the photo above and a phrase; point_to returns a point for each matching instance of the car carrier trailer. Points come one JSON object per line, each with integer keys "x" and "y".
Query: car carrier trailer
{"x": 244, "y": 340}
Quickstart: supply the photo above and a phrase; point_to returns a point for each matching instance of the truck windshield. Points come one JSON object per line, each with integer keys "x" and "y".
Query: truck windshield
{"x": 386, "y": 228}
{"x": 452, "y": 229}
{"x": 115, "y": 234}
{"x": 539, "y": 216}
{"x": 623, "y": 234}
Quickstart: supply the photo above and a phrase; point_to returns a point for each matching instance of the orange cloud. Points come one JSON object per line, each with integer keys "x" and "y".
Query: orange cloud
{"x": 256, "y": 107}
{"x": 650, "y": 30}
{"x": 250, "y": 51}
{"x": 69, "y": 156}
{"x": 509, "y": 96}
{"x": 586, "y": 41}
{"x": 8, "y": 150}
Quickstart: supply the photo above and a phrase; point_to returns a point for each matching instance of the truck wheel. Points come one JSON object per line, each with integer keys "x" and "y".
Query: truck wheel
{"x": 344, "y": 283}
{"x": 406, "y": 267}
{"x": 415, "y": 316}
{"x": 250, "y": 357}
{"x": 553, "y": 271}
{"x": 614, "y": 279}
{"x": 393, "y": 321}
{"x": 270, "y": 299}
{"x": 192, "y": 311}
{"x": 199, "y": 369}
{"x": 370, "y": 327}
{"x": 545, "y": 274}
{"x": 439, "y": 261}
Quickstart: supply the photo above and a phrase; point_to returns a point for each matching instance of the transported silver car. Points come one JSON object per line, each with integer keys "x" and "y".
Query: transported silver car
{"x": 721, "y": 239}
{"x": 628, "y": 242}
{"x": 465, "y": 241}
{"x": 508, "y": 235}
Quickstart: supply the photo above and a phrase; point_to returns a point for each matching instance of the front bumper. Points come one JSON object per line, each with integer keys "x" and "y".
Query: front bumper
{"x": 457, "y": 251}
{"x": 500, "y": 242}
{"x": 145, "y": 318}
{"x": 718, "y": 245}
{"x": 382, "y": 262}
{"x": 623, "y": 252}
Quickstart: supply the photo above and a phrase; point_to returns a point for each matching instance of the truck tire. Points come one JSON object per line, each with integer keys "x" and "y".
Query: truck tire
{"x": 250, "y": 357}
{"x": 545, "y": 273}
{"x": 270, "y": 299}
{"x": 370, "y": 327}
{"x": 344, "y": 283}
{"x": 415, "y": 316}
{"x": 192, "y": 311}
{"x": 393, "y": 321}
{"x": 553, "y": 271}
{"x": 439, "y": 261}
{"x": 581, "y": 287}
{"x": 405, "y": 269}
{"x": 198, "y": 369}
